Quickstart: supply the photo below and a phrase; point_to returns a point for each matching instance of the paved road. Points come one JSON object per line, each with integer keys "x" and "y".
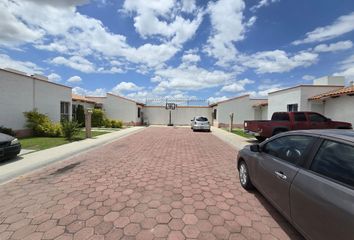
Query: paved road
{"x": 161, "y": 183}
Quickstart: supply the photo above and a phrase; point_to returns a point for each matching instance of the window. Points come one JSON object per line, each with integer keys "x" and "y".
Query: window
{"x": 292, "y": 107}
{"x": 315, "y": 117}
{"x": 289, "y": 148}
{"x": 202, "y": 119}
{"x": 214, "y": 114}
{"x": 74, "y": 109}
{"x": 279, "y": 116}
{"x": 335, "y": 160}
{"x": 64, "y": 110}
{"x": 299, "y": 117}
{"x": 139, "y": 112}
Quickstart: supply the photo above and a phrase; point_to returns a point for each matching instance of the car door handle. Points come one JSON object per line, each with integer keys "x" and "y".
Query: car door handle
{"x": 280, "y": 175}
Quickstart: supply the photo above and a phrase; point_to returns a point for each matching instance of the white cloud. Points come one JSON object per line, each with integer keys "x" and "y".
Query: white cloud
{"x": 308, "y": 77}
{"x": 189, "y": 77}
{"x": 346, "y": 68}
{"x": 263, "y": 3}
{"x": 81, "y": 35}
{"x": 237, "y": 86}
{"x": 125, "y": 87}
{"x": 27, "y": 67}
{"x": 159, "y": 18}
{"x": 277, "y": 61}
{"x": 53, "y": 77}
{"x": 75, "y": 79}
{"x": 216, "y": 99}
{"x": 13, "y": 31}
{"x": 263, "y": 90}
{"x": 333, "y": 47}
{"x": 75, "y": 62}
{"x": 344, "y": 24}
{"x": 190, "y": 58}
{"x": 99, "y": 92}
{"x": 227, "y": 28}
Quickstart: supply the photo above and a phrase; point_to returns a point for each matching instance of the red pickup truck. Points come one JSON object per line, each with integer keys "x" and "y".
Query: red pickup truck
{"x": 287, "y": 121}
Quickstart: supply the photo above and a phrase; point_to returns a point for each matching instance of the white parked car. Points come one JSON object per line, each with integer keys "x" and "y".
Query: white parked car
{"x": 200, "y": 123}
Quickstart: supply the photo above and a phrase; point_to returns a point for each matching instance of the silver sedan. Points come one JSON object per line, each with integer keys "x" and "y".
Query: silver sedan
{"x": 200, "y": 123}
{"x": 308, "y": 176}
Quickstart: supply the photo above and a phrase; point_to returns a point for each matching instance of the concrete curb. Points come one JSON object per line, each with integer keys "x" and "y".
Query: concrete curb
{"x": 232, "y": 139}
{"x": 33, "y": 161}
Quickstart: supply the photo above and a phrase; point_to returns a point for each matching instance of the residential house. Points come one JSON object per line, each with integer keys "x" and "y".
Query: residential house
{"x": 242, "y": 107}
{"x": 337, "y": 104}
{"x": 297, "y": 98}
{"x": 20, "y": 93}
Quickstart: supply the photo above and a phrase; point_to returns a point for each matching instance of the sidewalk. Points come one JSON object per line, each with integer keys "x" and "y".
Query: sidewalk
{"x": 234, "y": 140}
{"x": 32, "y": 161}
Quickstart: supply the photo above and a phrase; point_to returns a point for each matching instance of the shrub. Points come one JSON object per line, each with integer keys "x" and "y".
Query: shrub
{"x": 70, "y": 129}
{"x": 80, "y": 115}
{"x": 117, "y": 124}
{"x": 7, "y": 131}
{"x": 107, "y": 123}
{"x": 41, "y": 125}
{"x": 97, "y": 119}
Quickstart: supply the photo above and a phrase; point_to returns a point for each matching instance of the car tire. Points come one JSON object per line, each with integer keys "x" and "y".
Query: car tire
{"x": 244, "y": 176}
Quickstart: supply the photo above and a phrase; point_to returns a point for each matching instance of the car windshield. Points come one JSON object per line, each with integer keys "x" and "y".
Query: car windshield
{"x": 201, "y": 119}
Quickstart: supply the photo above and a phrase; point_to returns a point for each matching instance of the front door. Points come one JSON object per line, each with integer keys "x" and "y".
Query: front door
{"x": 277, "y": 166}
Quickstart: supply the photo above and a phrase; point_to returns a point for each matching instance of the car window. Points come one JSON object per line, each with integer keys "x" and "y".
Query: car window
{"x": 202, "y": 119}
{"x": 280, "y": 117}
{"x": 299, "y": 117}
{"x": 289, "y": 148}
{"x": 335, "y": 160}
{"x": 314, "y": 117}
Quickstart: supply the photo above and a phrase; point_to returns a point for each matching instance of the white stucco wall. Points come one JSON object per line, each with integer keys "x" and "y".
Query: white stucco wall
{"x": 119, "y": 108}
{"x": 340, "y": 109}
{"x": 242, "y": 107}
{"x": 278, "y": 101}
{"x": 19, "y": 93}
{"x": 180, "y": 116}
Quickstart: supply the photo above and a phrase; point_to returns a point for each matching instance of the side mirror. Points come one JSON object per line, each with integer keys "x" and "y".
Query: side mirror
{"x": 328, "y": 119}
{"x": 255, "y": 148}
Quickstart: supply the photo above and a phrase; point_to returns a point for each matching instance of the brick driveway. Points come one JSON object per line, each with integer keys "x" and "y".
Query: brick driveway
{"x": 161, "y": 183}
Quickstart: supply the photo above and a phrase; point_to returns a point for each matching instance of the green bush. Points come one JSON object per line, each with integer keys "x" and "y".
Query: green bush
{"x": 80, "y": 115}
{"x": 7, "y": 131}
{"x": 107, "y": 123}
{"x": 116, "y": 124}
{"x": 41, "y": 125}
{"x": 70, "y": 129}
{"x": 97, "y": 119}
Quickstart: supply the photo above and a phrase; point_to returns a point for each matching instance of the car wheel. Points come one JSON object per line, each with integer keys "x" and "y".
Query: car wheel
{"x": 244, "y": 176}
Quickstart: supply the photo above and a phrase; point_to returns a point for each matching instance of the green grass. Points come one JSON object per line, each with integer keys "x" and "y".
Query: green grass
{"x": 241, "y": 133}
{"x": 41, "y": 143}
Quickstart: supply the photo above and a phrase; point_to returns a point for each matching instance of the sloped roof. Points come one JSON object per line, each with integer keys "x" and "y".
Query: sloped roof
{"x": 334, "y": 93}
{"x": 261, "y": 104}
{"x": 76, "y": 97}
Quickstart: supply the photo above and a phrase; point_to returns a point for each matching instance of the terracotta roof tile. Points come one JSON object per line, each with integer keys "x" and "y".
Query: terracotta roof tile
{"x": 334, "y": 93}
{"x": 81, "y": 98}
{"x": 261, "y": 104}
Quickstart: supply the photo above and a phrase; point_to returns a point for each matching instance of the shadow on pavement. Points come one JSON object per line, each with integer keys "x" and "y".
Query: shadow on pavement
{"x": 285, "y": 225}
{"x": 11, "y": 160}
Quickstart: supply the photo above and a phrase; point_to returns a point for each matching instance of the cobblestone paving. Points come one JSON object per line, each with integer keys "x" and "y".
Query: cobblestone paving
{"x": 161, "y": 183}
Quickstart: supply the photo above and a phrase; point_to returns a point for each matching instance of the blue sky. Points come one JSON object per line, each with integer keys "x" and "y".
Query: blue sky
{"x": 187, "y": 49}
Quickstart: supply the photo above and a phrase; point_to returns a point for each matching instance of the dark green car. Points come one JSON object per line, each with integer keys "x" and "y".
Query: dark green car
{"x": 9, "y": 147}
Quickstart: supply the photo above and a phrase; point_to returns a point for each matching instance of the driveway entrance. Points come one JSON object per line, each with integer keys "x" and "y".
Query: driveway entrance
{"x": 161, "y": 183}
